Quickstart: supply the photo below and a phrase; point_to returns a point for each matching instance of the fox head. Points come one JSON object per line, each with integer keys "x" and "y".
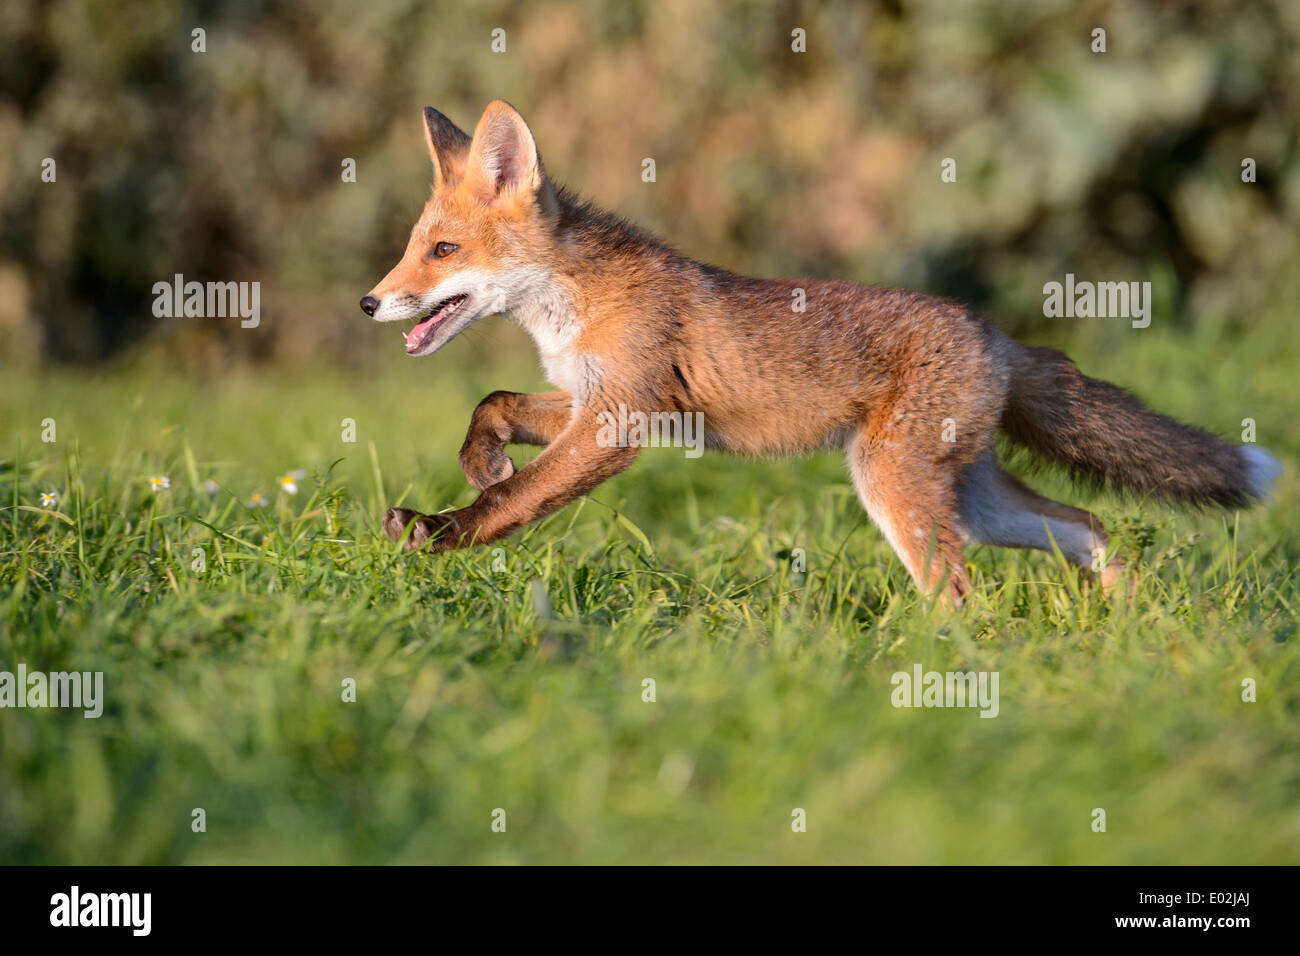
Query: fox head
{"x": 481, "y": 244}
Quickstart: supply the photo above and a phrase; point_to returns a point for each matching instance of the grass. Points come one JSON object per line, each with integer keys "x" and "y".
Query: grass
{"x": 512, "y": 676}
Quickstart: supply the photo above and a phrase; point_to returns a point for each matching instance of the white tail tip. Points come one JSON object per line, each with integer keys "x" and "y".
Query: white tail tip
{"x": 1262, "y": 471}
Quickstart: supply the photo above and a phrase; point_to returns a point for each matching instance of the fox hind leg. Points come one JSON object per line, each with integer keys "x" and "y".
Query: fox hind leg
{"x": 998, "y": 509}
{"x": 914, "y": 503}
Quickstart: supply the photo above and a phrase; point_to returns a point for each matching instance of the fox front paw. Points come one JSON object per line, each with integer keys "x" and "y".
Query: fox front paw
{"x": 432, "y": 531}
{"x": 485, "y": 466}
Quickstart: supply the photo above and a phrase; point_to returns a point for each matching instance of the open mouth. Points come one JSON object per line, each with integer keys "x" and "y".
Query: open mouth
{"x": 426, "y": 328}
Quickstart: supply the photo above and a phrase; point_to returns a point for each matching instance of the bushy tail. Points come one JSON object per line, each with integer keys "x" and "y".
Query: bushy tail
{"x": 1104, "y": 433}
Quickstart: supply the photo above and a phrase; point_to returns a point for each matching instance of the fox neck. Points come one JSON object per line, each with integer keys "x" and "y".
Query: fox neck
{"x": 555, "y": 309}
{"x": 545, "y": 309}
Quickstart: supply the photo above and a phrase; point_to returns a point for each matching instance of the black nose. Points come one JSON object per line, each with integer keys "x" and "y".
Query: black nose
{"x": 369, "y": 304}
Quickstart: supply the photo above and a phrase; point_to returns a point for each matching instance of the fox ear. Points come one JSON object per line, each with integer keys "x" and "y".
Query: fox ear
{"x": 503, "y": 155}
{"x": 448, "y": 146}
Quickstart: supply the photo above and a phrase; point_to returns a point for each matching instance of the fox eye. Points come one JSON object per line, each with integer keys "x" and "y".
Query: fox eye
{"x": 444, "y": 249}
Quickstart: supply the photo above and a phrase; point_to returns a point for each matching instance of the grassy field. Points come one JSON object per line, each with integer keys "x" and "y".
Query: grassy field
{"x": 512, "y": 677}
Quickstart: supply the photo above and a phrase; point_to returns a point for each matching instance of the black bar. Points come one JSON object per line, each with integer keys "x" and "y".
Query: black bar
{"x": 932, "y": 905}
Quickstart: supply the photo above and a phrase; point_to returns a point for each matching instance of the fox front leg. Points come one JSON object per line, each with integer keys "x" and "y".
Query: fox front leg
{"x": 510, "y": 418}
{"x": 571, "y": 465}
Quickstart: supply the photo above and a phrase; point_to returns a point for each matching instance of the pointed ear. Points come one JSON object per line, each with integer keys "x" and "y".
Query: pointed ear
{"x": 503, "y": 156}
{"x": 448, "y": 147}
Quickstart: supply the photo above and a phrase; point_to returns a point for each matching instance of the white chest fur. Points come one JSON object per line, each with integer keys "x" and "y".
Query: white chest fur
{"x": 550, "y": 319}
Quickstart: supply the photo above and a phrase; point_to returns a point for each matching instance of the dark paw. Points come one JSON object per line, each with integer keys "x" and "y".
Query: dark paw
{"x": 485, "y": 469}
{"x": 424, "y": 528}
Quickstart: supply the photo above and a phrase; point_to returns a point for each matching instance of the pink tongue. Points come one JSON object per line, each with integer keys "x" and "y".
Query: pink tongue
{"x": 413, "y": 337}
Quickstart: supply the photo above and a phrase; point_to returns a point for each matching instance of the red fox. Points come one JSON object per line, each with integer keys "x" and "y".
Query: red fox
{"x": 912, "y": 387}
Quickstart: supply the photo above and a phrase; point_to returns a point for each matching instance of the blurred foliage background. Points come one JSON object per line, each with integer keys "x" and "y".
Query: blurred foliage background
{"x": 226, "y": 165}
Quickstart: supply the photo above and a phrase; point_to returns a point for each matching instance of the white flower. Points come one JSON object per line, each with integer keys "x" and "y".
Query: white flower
{"x": 257, "y": 501}
{"x": 290, "y": 481}
{"x": 49, "y": 499}
{"x": 211, "y": 487}
{"x": 160, "y": 482}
